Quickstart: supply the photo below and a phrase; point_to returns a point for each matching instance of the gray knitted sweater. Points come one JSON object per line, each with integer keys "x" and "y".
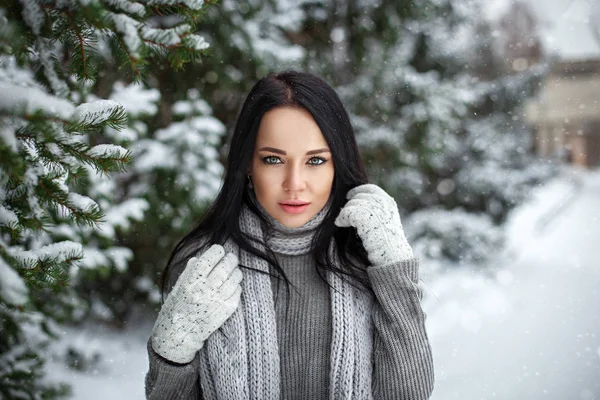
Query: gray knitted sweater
{"x": 402, "y": 359}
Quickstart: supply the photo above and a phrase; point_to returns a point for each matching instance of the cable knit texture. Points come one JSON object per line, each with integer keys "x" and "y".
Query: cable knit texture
{"x": 206, "y": 294}
{"x": 375, "y": 216}
{"x": 241, "y": 360}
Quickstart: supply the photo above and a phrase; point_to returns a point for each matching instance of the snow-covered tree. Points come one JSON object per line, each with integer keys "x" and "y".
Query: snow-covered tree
{"x": 254, "y": 37}
{"x": 448, "y": 145}
{"x": 175, "y": 172}
{"x": 58, "y": 211}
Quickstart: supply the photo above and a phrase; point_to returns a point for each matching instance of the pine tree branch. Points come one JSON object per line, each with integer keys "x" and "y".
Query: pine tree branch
{"x": 82, "y": 49}
{"x": 50, "y": 273}
{"x": 93, "y": 216}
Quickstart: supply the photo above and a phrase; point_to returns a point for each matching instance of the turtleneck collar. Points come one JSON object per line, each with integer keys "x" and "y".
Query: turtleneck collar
{"x": 290, "y": 241}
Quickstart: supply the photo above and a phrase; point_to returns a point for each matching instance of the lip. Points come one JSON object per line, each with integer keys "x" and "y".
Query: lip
{"x": 294, "y": 206}
{"x": 294, "y": 202}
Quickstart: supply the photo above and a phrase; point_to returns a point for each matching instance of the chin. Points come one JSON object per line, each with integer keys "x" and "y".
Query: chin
{"x": 293, "y": 222}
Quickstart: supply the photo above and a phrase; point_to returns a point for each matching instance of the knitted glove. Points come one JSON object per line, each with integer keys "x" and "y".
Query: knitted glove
{"x": 375, "y": 216}
{"x": 206, "y": 294}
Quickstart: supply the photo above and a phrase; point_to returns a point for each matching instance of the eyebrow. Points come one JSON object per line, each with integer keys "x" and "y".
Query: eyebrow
{"x": 283, "y": 152}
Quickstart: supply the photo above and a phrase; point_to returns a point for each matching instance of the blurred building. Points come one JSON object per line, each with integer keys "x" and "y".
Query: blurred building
{"x": 519, "y": 37}
{"x": 566, "y": 114}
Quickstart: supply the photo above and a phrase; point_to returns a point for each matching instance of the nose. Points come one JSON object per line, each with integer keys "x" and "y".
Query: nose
{"x": 294, "y": 179}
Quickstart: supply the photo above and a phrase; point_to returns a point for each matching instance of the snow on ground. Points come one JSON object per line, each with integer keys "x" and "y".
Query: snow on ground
{"x": 532, "y": 330}
{"x": 529, "y": 330}
{"x": 120, "y": 371}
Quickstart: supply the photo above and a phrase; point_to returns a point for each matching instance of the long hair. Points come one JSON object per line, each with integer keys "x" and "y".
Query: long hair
{"x": 222, "y": 219}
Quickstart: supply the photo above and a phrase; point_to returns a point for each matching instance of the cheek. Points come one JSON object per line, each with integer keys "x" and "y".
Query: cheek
{"x": 325, "y": 182}
{"x": 264, "y": 180}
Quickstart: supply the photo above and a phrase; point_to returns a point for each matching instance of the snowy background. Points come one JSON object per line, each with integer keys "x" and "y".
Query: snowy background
{"x": 532, "y": 329}
{"x": 529, "y": 329}
{"x": 526, "y": 326}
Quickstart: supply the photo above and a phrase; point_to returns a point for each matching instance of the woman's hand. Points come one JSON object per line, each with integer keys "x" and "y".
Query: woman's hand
{"x": 375, "y": 216}
{"x": 206, "y": 294}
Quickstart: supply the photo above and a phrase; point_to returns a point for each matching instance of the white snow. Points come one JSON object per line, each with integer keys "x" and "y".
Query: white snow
{"x": 12, "y": 288}
{"x": 531, "y": 330}
{"x": 528, "y": 329}
{"x": 166, "y": 37}
{"x": 94, "y": 257}
{"x": 135, "y": 34}
{"x": 82, "y": 203}
{"x": 47, "y": 54}
{"x": 118, "y": 373}
{"x": 95, "y": 112}
{"x": 59, "y": 252}
{"x": 136, "y": 99}
{"x": 197, "y": 42}
{"x": 7, "y": 217}
{"x": 151, "y": 154}
{"x": 107, "y": 150}
{"x": 7, "y": 133}
{"x": 121, "y": 215}
{"x": 30, "y": 99}
{"x": 33, "y": 15}
{"x": 193, "y": 4}
{"x": 128, "y": 27}
{"x": 474, "y": 234}
{"x": 129, "y": 7}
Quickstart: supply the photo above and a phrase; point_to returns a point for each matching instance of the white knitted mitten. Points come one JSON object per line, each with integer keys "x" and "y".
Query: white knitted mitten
{"x": 206, "y": 294}
{"x": 375, "y": 216}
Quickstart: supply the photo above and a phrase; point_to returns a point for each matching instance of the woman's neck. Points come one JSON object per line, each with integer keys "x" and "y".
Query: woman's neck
{"x": 290, "y": 241}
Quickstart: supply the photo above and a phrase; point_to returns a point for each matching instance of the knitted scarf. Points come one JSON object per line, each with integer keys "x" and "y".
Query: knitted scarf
{"x": 241, "y": 360}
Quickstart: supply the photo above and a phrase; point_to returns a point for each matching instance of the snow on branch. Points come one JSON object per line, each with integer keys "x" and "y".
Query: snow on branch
{"x": 47, "y": 266}
{"x": 196, "y": 42}
{"x": 121, "y": 216}
{"x": 82, "y": 203}
{"x": 166, "y": 37}
{"x": 33, "y": 15}
{"x": 12, "y": 288}
{"x": 191, "y": 4}
{"x": 26, "y": 101}
{"x": 12, "y": 72}
{"x": 108, "y": 157}
{"x": 99, "y": 112}
{"x": 138, "y": 34}
{"x": 128, "y": 28}
{"x": 60, "y": 252}
{"x": 107, "y": 151}
{"x": 128, "y": 6}
{"x": 47, "y": 60}
{"x": 8, "y": 217}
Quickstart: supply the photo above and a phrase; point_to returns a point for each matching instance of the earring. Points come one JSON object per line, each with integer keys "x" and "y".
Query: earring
{"x": 250, "y": 184}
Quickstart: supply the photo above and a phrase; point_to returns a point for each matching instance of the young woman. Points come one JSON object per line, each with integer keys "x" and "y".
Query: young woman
{"x": 299, "y": 282}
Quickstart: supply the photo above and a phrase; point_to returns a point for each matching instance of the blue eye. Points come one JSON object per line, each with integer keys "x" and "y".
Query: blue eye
{"x": 271, "y": 160}
{"x": 314, "y": 161}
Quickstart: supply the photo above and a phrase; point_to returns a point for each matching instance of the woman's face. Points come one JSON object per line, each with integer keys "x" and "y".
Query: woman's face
{"x": 292, "y": 170}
